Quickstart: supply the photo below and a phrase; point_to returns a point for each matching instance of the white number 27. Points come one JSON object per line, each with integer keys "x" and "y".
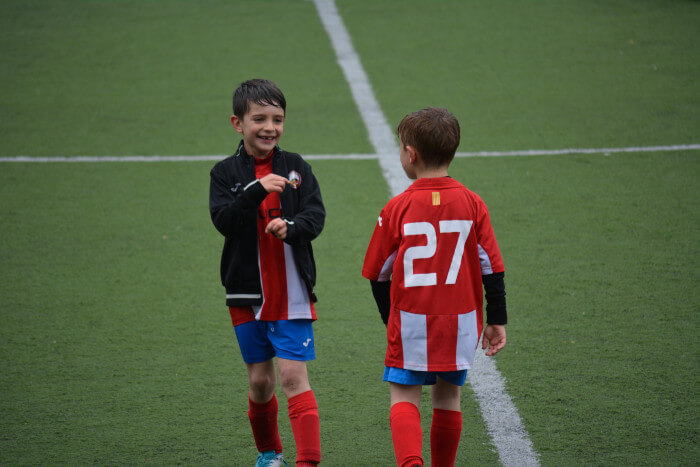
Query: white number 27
{"x": 428, "y": 250}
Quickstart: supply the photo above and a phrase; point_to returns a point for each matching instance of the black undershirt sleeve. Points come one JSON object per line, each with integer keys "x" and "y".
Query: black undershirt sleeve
{"x": 495, "y": 290}
{"x": 381, "y": 292}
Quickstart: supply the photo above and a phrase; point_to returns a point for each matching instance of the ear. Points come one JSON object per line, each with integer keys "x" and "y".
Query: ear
{"x": 237, "y": 123}
{"x": 412, "y": 154}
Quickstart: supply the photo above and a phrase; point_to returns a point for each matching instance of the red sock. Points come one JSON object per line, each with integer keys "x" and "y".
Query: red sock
{"x": 303, "y": 416}
{"x": 406, "y": 433}
{"x": 263, "y": 420}
{"x": 444, "y": 437}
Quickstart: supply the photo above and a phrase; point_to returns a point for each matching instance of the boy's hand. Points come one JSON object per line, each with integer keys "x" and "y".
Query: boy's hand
{"x": 277, "y": 227}
{"x": 494, "y": 338}
{"x": 274, "y": 182}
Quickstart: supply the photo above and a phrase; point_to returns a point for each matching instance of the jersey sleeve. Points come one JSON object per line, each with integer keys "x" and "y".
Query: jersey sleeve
{"x": 489, "y": 254}
{"x": 382, "y": 250}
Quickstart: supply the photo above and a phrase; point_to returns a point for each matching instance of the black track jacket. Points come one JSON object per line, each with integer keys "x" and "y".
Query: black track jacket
{"x": 234, "y": 198}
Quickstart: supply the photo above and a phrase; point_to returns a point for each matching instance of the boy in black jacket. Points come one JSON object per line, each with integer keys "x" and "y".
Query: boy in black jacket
{"x": 267, "y": 204}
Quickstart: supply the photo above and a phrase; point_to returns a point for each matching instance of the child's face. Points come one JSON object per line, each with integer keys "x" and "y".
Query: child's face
{"x": 261, "y": 128}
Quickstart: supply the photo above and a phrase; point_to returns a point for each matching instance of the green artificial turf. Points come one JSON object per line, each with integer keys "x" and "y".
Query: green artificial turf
{"x": 601, "y": 266}
{"x": 147, "y": 77}
{"x": 537, "y": 75}
{"x": 115, "y": 344}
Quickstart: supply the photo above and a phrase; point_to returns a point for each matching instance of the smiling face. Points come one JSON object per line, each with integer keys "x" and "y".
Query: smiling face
{"x": 261, "y": 127}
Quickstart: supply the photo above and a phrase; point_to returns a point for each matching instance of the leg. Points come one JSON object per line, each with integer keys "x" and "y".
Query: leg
{"x": 405, "y": 393}
{"x": 303, "y": 410}
{"x": 406, "y": 432}
{"x": 445, "y": 395}
{"x": 446, "y": 427}
{"x": 261, "y": 381}
{"x": 263, "y": 407}
{"x": 294, "y": 378}
{"x": 257, "y": 354}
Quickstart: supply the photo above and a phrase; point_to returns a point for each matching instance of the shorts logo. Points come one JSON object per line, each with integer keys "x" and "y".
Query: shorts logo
{"x": 306, "y": 344}
{"x": 294, "y": 179}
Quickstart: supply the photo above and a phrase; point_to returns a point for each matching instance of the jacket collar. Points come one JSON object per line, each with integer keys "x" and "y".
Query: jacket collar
{"x": 240, "y": 151}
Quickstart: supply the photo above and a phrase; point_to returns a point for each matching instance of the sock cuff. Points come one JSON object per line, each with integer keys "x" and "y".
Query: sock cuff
{"x": 404, "y": 408}
{"x": 447, "y": 418}
{"x": 269, "y": 406}
{"x": 301, "y": 402}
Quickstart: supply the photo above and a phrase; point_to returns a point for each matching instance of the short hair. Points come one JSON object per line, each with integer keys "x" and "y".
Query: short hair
{"x": 260, "y": 91}
{"x": 434, "y": 132}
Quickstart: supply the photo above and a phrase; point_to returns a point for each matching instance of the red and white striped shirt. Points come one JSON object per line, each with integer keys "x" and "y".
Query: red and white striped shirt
{"x": 434, "y": 241}
{"x": 285, "y": 295}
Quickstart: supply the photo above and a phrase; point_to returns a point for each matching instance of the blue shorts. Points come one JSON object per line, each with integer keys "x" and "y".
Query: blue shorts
{"x": 414, "y": 378}
{"x": 292, "y": 339}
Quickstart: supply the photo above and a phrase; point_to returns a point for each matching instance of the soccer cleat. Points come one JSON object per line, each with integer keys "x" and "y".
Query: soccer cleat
{"x": 270, "y": 459}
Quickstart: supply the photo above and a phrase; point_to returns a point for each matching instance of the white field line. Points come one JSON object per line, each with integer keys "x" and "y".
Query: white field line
{"x": 380, "y": 134}
{"x": 562, "y": 152}
{"x": 500, "y": 414}
{"x": 318, "y": 157}
{"x": 111, "y": 158}
{"x": 213, "y": 157}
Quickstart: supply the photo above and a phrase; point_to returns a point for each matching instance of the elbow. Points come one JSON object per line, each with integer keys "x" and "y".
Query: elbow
{"x": 225, "y": 226}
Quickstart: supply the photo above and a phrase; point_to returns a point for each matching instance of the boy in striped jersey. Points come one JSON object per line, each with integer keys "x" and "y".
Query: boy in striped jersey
{"x": 267, "y": 204}
{"x": 432, "y": 249}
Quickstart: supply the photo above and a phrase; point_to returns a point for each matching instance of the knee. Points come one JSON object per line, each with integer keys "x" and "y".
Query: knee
{"x": 293, "y": 381}
{"x": 262, "y": 385}
{"x": 446, "y": 397}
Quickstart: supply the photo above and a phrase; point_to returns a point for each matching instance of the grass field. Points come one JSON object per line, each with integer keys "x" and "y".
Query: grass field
{"x": 115, "y": 345}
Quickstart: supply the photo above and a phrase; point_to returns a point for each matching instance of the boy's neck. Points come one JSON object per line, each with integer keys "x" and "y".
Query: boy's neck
{"x": 258, "y": 156}
{"x": 431, "y": 172}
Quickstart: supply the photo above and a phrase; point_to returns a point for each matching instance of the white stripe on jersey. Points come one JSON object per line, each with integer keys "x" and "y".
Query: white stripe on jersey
{"x": 257, "y": 309}
{"x": 388, "y": 268}
{"x": 242, "y": 295}
{"x": 414, "y": 340}
{"x": 298, "y": 302}
{"x": 485, "y": 261}
{"x": 467, "y": 339}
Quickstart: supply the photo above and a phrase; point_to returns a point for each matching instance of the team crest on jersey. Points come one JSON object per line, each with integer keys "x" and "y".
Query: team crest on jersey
{"x": 294, "y": 179}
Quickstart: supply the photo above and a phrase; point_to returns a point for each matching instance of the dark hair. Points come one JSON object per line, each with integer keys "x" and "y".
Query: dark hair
{"x": 260, "y": 91}
{"x": 434, "y": 132}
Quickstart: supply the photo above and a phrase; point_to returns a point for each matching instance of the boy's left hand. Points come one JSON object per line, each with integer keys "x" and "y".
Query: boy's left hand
{"x": 494, "y": 338}
{"x": 277, "y": 227}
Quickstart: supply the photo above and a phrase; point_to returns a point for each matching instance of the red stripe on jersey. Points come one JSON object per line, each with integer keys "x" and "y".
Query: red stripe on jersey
{"x": 241, "y": 314}
{"x": 284, "y": 294}
{"x": 442, "y": 342}
{"x": 394, "y": 349}
{"x": 270, "y": 253}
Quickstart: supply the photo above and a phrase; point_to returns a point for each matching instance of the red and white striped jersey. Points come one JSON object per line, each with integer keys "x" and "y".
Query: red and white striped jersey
{"x": 285, "y": 296}
{"x": 434, "y": 241}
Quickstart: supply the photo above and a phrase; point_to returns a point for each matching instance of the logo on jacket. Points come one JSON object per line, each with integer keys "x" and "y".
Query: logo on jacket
{"x": 294, "y": 179}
